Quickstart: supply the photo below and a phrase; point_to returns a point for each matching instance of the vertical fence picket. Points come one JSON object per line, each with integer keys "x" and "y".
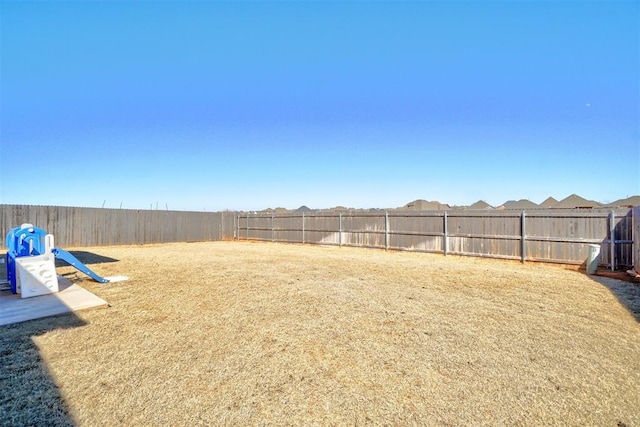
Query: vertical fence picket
{"x": 386, "y": 230}
{"x": 612, "y": 239}
{"x": 445, "y": 237}
{"x": 523, "y": 237}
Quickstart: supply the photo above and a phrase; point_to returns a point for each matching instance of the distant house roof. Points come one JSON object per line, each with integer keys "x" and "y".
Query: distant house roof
{"x": 624, "y": 203}
{"x": 276, "y": 210}
{"x": 575, "y": 202}
{"x": 481, "y": 204}
{"x": 424, "y": 205}
{"x": 549, "y": 201}
{"x": 519, "y": 204}
{"x": 339, "y": 208}
{"x": 303, "y": 208}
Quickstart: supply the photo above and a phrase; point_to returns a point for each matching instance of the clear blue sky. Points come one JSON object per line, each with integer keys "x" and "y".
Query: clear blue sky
{"x": 249, "y": 105}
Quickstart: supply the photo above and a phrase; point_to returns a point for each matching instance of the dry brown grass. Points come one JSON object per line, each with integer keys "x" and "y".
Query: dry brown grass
{"x": 267, "y": 334}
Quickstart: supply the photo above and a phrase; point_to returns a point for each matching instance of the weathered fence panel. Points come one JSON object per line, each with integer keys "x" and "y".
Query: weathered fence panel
{"x": 424, "y": 233}
{"x": 80, "y": 227}
{"x": 495, "y": 234}
{"x": 289, "y": 229}
{"x": 365, "y": 230}
{"x": 561, "y": 236}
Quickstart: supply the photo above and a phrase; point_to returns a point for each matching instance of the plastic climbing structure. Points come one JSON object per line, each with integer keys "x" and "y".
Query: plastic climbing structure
{"x": 31, "y": 251}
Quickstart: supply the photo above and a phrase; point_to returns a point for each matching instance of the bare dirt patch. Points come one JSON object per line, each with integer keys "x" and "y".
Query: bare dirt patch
{"x": 269, "y": 334}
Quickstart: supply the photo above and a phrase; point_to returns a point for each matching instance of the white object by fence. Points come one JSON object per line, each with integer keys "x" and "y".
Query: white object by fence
{"x": 593, "y": 259}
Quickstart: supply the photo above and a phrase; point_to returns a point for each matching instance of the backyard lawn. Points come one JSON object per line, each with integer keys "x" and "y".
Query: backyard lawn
{"x": 230, "y": 333}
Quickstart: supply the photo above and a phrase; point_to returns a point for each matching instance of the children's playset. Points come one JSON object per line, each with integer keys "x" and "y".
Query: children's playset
{"x": 30, "y": 262}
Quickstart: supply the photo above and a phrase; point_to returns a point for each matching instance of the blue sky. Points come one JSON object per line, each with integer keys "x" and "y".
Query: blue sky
{"x": 249, "y": 105}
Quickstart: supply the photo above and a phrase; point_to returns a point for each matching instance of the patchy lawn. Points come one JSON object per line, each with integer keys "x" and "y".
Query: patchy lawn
{"x": 231, "y": 333}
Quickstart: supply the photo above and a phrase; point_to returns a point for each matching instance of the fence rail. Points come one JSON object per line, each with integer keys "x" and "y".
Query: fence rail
{"x": 540, "y": 235}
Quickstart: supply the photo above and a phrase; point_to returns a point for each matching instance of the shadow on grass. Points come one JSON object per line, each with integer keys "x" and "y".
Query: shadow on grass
{"x": 87, "y": 258}
{"x": 626, "y": 291}
{"x": 28, "y": 393}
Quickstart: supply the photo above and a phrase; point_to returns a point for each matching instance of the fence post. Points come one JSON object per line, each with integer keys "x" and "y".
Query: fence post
{"x": 303, "y": 227}
{"x": 386, "y": 230}
{"x": 237, "y": 233}
{"x": 247, "y": 225}
{"x": 340, "y": 229}
{"x": 220, "y": 227}
{"x": 445, "y": 237}
{"x": 635, "y": 235}
{"x": 523, "y": 237}
{"x": 612, "y": 239}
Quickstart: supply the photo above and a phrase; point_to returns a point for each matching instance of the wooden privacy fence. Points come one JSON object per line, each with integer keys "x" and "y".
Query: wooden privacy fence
{"x": 561, "y": 236}
{"x": 97, "y": 227}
